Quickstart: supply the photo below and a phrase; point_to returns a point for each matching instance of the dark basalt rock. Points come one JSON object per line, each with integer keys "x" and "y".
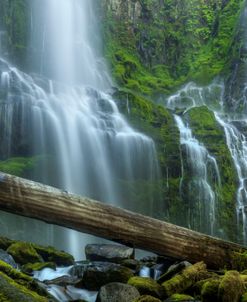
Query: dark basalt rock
{"x": 108, "y": 252}
{"x": 101, "y": 273}
{"x": 117, "y": 292}
{"x": 4, "y": 256}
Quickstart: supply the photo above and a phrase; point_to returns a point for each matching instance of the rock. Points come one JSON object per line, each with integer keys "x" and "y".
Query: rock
{"x": 5, "y": 243}
{"x": 209, "y": 290}
{"x": 78, "y": 269}
{"x": 18, "y": 286}
{"x": 29, "y": 268}
{"x": 147, "y": 286}
{"x": 101, "y": 273}
{"x": 231, "y": 287}
{"x": 62, "y": 281}
{"x": 4, "y": 256}
{"x": 108, "y": 252}
{"x": 23, "y": 253}
{"x": 50, "y": 254}
{"x": 173, "y": 270}
{"x": 117, "y": 292}
{"x": 132, "y": 264}
{"x": 147, "y": 298}
{"x": 181, "y": 298}
{"x": 12, "y": 292}
{"x": 185, "y": 279}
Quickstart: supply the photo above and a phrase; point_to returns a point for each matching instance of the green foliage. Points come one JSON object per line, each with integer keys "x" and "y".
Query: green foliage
{"x": 19, "y": 166}
{"x": 155, "y": 46}
{"x": 14, "y": 18}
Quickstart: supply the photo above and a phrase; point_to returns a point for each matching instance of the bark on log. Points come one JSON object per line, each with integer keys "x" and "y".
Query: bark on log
{"x": 35, "y": 200}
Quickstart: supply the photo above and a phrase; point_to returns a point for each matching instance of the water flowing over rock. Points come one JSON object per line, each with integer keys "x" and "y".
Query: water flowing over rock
{"x": 69, "y": 125}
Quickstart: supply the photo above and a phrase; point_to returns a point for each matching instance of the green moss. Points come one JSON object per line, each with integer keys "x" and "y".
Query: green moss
{"x": 184, "y": 280}
{"x": 50, "y": 254}
{"x": 209, "y": 290}
{"x": 231, "y": 287}
{"x": 147, "y": 298}
{"x": 23, "y": 253}
{"x": 239, "y": 261}
{"x": 20, "y": 279}
{"x": 30, "y": 267}
{"x": 155, "y": 46}
{"x": 179, "y": 297}
{"x": 146, "y": 286}
{"x": 19, "y": 166}
{"x": 10, "y": 291}
{"x": 244, "y": 298}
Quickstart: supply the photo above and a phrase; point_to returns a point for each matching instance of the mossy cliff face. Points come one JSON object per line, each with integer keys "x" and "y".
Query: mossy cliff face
{"x": 158, "y": 123}
{"x": 155, "y": 46}
{"x": 206, "y": 129}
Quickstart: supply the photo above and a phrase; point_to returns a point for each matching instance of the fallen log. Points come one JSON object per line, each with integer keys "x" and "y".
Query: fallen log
{"x": 51, "y": 205}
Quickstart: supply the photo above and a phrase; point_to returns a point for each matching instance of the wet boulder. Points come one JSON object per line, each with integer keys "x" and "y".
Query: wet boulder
{"x": 23, "y": 253}
{"x": 50, "y": 254}
{"x": 117, "y": 292}
{"x": 147, "y": 298}
{"x": 147, "y": 286}
{"x": 108, "y": 252}
{"x": 180, "y": 298}
{"x": 185, "y": 279}
{"x": 4, "y": 256}
{"x": 100, "y": 273}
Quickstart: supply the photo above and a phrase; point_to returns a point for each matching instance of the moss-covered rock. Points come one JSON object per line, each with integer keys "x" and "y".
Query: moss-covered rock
{"x": 102, "y": 273}
{"x": 180, "y": 297}
{"x": 231, "y": 287}
{"x": 16, "y": 278}
{"x": 147, "y": 298}
{"x": 181, "y": 282}
{"x": 147, "y": 286}
{"x": 23, "y": 252}
{"x": 29, "y": 268}
{"x": 10, "y": 291}
{"x": 50, "y": 254}
{"x": 209, "y": 290}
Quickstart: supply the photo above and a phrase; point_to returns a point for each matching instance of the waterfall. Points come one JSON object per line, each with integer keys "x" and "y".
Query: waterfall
{"x": 200, "y": 193}
{"x": 237, "y": 145}
{"x": 67, "y": 122}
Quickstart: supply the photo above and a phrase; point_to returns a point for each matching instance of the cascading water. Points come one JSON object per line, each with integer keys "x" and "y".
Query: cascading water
{"x": 201, "y": 213}
{"x": 73, "y": 131}
{"x": 237, "y": 145}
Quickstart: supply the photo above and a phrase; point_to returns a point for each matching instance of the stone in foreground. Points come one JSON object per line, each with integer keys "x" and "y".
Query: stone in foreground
{"x": 117, "y": 292}
{"x": 108, "y": 252}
